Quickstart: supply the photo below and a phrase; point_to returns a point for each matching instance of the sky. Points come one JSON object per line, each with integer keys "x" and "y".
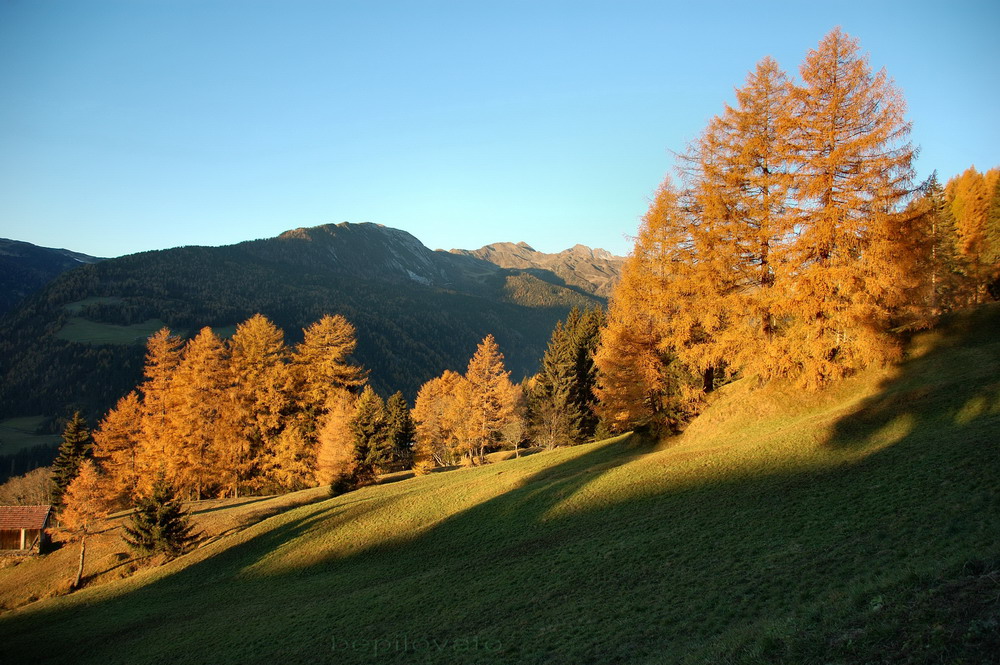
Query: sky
{"x": 134, "y": 125}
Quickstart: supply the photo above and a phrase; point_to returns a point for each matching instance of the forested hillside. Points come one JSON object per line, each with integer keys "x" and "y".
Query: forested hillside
{"x": 79, "y": 342}
{"x": 26, "y": 268}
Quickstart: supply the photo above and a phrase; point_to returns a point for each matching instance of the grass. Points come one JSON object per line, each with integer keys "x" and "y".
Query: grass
{"x": 80, "y": 305}
{"x": 85, "y": 331}
{"x": 21, "y": 433}
{"x": 857, "y": 525}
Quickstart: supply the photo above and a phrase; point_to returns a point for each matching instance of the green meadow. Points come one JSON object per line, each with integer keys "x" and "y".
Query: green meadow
{"x": 856, "y": 525}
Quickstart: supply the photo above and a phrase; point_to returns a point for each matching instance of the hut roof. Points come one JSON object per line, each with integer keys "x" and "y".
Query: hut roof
{"x": 24, "y": 517}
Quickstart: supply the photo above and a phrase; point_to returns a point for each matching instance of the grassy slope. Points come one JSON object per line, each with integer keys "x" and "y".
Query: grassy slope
{"x": 859, "y": 525}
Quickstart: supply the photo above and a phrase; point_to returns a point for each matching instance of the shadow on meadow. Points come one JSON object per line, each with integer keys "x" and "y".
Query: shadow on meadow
{"x": 951, "y": 377}
{"x": 666, "y": 564}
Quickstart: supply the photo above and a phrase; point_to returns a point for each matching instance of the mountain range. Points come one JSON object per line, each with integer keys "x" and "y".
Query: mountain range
{"x": 78, "y": 343}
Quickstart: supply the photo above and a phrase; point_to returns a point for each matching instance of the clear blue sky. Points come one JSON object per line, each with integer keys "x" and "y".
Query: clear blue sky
{"x": 144, "y": 124}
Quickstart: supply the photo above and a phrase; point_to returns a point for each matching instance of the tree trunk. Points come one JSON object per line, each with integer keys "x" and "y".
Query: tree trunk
{"x": 83, "y": 554}
{"x": 709, "y": 379}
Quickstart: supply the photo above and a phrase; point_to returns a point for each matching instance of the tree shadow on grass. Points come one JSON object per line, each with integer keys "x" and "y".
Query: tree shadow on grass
{"x": 951, "y": 378}
{"x": 643, "y": 577}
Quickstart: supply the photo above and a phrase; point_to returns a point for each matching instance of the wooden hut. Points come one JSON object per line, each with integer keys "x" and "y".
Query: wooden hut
{"x": 22, "y": 529}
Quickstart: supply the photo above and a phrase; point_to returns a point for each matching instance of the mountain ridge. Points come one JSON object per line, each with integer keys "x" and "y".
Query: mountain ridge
{"x": 79, "y": 342}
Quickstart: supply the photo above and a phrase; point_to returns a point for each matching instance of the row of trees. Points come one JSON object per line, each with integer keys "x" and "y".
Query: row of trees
{"x": 226, "y": 417}
{"x": 790, "y": 247}
{"x": 458, "y": 417}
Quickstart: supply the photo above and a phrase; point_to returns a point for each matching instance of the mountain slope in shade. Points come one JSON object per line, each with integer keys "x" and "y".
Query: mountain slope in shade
{"x": 593, "y": 270}
{"x": 26, "y": 268}
{"x": 79, "y": 342}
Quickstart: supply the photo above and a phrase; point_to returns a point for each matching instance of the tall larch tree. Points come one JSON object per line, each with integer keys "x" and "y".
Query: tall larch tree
{"x": 87, "y": 501}
{"x": 200, "y": 417}
{"x": 738, "y": 173}
{"x": 321, "y": 362}
{"x": 260, "y": 401}
{"x": 436, "y": 419}
{"x": 118, "y": 449}
{"x": 652, "y": 320}
{"x": 970, "y": 196}
{"x": 337, "y": 456}
{"x": 850, "y": 268}
{"x": 163, "y": 355}
{"x": 491, "y": 398}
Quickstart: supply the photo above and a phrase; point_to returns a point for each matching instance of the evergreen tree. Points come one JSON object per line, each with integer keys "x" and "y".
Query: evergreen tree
{"x": 401, "y": 432}
{"x": 938, "y": 261}
{"x": 555, "y": 415}
{"x": 76, "y": 446}
{"x": 585, "y": 338}
{"x": 159, "y": 524}
{"x": 371, "y": 432}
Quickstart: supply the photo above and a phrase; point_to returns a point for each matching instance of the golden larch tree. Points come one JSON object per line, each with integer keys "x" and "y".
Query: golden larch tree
{"x": 259, "y": 399}
{"x": 336, "y": 457}
{"x": 321, "y": 362}
{"x": 118, "y": 449}
{"x": 849, "y": 269}
{"x": 436, "y": 416}
{"x": 490, "y": 399}
{"x": 200, "y": 419}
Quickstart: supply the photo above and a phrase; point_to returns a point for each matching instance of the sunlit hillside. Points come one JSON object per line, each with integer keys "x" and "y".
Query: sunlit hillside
{"x": 861, "y": 524}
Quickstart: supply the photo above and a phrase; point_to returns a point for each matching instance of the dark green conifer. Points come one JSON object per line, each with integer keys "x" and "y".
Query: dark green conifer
{"x": 76, "y": 446}
{"x": 159, "y": 523}
{"x": 370, "y": 430}
{"x": 401, "y": 432}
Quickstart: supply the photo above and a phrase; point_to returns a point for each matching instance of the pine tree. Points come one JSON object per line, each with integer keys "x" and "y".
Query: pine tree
{"x": 585, "y": 337}
{"x": 555, "y": 415}
{"x": 937, "y": 260}
{"x": 159, "y": 524}
{"x": 401, "y": 432}
{"x": 850, "y": 267}
{"x": 371, "y": 432}
{"x": 76, "y": 446}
